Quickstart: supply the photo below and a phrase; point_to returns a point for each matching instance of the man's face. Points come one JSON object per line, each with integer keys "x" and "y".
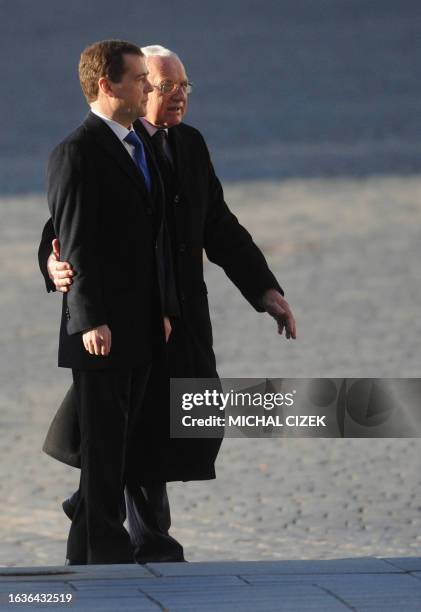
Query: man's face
{"x": 131, "y": 93}
{"x": 166, "y": 109}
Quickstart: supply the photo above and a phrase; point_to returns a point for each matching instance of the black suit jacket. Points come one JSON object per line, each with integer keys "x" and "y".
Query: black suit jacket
{"x": 108, "y": 225}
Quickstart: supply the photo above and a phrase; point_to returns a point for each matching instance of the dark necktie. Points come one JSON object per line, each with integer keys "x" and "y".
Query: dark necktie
{"x": 164, "y": 163}
{"x": 139, "y": 156}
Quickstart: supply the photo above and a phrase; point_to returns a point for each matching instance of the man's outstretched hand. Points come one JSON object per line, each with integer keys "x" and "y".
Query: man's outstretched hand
{"x": 278, "y": 308}
{"x": 97, "y": 341}
{"x": 60, "y": 272}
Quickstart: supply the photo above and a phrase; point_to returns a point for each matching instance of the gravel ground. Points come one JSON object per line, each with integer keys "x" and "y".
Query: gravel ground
{"x": 346, "y": 252}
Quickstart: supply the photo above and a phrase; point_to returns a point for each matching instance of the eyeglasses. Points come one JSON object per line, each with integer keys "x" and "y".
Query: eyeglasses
{"x": 168, "y": 86}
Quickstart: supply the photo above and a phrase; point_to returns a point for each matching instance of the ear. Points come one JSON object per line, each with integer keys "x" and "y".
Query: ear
{"x": 105, "y": 86}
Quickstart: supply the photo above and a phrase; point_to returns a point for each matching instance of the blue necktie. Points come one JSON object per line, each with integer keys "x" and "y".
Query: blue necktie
{"x": 139, "y": 155}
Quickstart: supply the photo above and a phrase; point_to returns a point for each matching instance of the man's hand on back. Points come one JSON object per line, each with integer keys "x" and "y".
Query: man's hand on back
{"x": 278, "y": 308}
{"x": 60, "y": 272}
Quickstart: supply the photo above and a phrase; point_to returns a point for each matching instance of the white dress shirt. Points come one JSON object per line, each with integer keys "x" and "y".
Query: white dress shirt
{"x": 152, "y": 129}
{"x": 119, "y": 130}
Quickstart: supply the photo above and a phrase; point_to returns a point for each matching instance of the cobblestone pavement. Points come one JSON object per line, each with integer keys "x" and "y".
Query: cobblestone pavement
{"x": 347, "y": 252}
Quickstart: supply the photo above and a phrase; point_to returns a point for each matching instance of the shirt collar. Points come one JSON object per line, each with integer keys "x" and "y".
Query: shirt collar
{"x": 119, "y": 130}
{"x": 150, "y": 128}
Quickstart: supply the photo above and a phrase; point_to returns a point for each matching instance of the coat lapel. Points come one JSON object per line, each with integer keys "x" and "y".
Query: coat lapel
{"x": 107, "y": 140}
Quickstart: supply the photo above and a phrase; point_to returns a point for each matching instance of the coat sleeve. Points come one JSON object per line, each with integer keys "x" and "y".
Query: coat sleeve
{"x": 229, "y": 245}
{"x": 44, "y": 251}
{"x": 73, "y": 200}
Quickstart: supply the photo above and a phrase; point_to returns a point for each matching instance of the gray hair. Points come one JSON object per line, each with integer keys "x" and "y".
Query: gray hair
{"x": 158, "y": 50}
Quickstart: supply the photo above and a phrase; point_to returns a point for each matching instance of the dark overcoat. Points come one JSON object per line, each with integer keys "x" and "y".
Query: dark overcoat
{"x": 202, "y": 222}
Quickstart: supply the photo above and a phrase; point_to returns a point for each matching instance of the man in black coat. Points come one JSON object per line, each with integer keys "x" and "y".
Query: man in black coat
{"x": 106, "y": 202}
{"x": 198, "y": 219}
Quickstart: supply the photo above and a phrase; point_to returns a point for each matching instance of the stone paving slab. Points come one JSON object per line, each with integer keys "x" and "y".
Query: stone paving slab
{"x": 361, "y": 585}
{"x": 75, "y": 572}
{"x": 408, "y": 564}
{"x": 359, "y": 581}
{"x": 253, "y": 598}
{"x": 327, "y": 566}
{"x": 27, "y": 586}
{"x": 107, "y": 591}
{"x": 171, "y": 583}
{"x": 112, "y": 604}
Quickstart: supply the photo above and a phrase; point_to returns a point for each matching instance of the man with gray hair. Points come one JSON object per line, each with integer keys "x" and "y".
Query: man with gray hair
{"x": 198, "y": 219}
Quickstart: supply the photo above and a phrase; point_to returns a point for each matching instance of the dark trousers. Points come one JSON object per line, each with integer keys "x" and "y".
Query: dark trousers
{"x": 148, "y": 522}
{"x": 109, "y": 405}
{"x": 147, "y": 512}
{"x": 147, "y": 506}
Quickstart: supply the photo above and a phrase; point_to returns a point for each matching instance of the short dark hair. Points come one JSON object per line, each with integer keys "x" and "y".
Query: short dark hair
{"x": 103, "y": 59}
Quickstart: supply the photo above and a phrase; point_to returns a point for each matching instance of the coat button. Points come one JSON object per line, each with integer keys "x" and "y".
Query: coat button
{"x": 182, "y": 296}
{"x": 176, "y": 199}
{"x": 182, "y": 247}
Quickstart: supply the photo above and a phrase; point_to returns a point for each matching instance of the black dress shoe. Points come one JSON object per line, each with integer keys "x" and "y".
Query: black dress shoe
{"x": 70, "y": 504}
{"x": 71, "y": 562}
{"x": 162, "y": 549}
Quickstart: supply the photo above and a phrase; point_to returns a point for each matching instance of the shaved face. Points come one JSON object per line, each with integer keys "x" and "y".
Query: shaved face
{"x": 163, "y": 109}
